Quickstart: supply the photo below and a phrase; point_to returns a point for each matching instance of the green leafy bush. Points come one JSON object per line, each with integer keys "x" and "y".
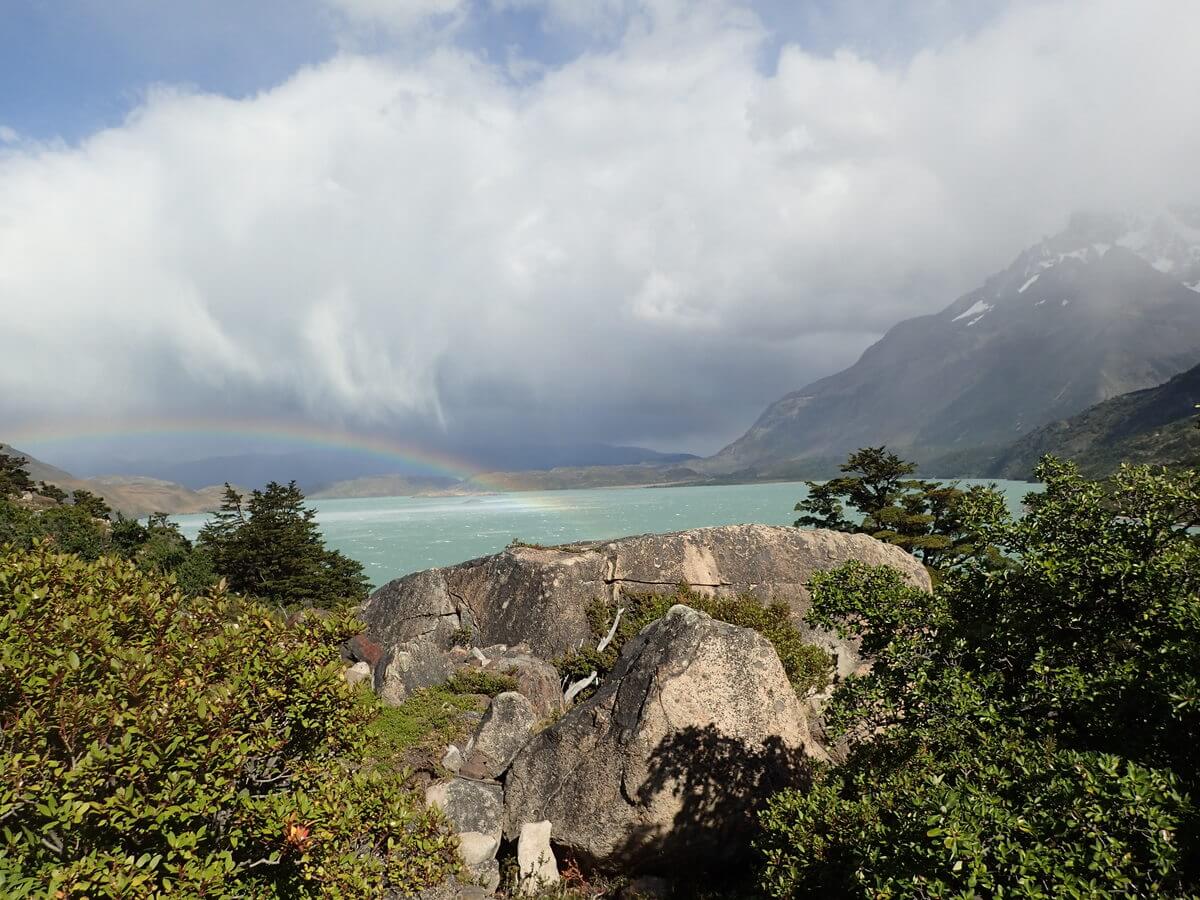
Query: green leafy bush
{"x": 1032, "y": 728}
{"x": 808, "y": 667}
{"x": 480, "y": 681}
{"x": 428, "y": 719}
{"x": 153, "y": 744}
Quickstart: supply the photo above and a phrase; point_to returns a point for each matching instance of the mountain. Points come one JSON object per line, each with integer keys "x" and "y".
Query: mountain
{"x": 319, "y": 472}
{"x": 1156, "y": 426}
{"x": 1109, "y": 305}
{"x": 132, "y": 495}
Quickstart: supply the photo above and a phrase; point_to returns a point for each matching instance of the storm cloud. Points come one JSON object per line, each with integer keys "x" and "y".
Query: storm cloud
{"x": 643, "y": 244}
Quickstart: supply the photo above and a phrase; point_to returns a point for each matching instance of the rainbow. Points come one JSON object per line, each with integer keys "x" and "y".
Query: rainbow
{"x": 292, "y": 433}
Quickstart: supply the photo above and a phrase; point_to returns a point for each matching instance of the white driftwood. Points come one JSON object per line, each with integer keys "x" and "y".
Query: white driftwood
{"x": 573, "y": 690}
{"x": 611, "y": 632}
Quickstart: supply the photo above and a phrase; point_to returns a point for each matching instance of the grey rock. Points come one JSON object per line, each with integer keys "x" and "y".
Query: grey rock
{"x": 667, "y": 763}
{"x": 476, "y": 848}
{"x": 410, "y": 666}
{"x": 536, "y": 865}
{"x": 504, "y": 730}
{"x": 536, "y": 679}
{"x": 452, "y": 759}
{"x": 541, "y": 595}
{"x": 357, "y": 673}
{"x": 468, "y": 805}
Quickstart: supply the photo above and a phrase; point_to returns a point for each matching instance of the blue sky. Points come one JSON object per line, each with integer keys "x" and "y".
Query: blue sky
{"x": 71, "y": 67}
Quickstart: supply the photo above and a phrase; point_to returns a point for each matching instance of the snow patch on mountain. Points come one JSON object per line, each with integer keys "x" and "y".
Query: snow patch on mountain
{"x": 1026, "y": 285}
{"x": 978, "y": 309}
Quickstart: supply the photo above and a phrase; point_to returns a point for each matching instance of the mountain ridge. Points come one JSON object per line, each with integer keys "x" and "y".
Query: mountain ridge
{"x": 1109, "y": 305}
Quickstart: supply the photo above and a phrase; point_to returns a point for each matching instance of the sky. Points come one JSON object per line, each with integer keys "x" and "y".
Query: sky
{"x": 457, "y": 222}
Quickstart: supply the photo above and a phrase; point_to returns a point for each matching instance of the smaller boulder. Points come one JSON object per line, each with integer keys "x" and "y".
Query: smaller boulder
{"x": 452, "y": 759}
{"x": 409, "y": 667}
{"x": 536, "y": 679}
{"x": 536, "y": 864}
{"x": 477, "y": 849}
{"x": 504, "y": 730}
{"x": 361, "y": 648}
{"x": 357, "y": 673}
{"x": 468, "y": 805}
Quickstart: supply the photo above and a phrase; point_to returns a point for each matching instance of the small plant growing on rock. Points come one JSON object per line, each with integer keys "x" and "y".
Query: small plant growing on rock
{"x": 480, "y": 681}
{"x": 808, "y": 668}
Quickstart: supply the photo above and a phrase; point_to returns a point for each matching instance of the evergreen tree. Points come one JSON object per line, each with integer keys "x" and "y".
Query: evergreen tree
{"x": 270, "y": 547}
{"x": 91, "y": 504}
{"x": 14, "y": 480}
{"x": 923, "y": 517}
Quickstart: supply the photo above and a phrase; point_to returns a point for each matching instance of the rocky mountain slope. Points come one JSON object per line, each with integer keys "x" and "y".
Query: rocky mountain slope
{"x": 1109, "y": 305}
{"x": 131, "y": 495}
{"x": 1156, "y": 426}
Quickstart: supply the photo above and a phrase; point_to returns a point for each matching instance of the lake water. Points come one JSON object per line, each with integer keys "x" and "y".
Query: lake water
{"x": 392, "y": 536}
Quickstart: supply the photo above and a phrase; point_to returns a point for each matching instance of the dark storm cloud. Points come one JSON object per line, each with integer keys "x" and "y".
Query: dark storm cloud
{"x": 643, "y": 244}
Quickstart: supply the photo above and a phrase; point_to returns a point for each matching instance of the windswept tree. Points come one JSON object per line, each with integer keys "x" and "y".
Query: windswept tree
{"x": 14, "y": 479}
{"x": 269, "y": 546}
{"x": 876, "y": 496}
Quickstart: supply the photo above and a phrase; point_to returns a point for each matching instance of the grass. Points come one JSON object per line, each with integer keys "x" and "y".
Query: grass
{"x": 478, "y": 681}
{"x": 430, "y": 718}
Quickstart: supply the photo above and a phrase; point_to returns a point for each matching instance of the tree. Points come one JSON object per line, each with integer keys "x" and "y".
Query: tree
{"x": 14, "y": 480}
{"x": 923, "y": 517}
{"x": 270, "y": 547}
{"x": 1027, "y": 730}
{"x": 156, "y": 745}
{"x": 91, "y": 504}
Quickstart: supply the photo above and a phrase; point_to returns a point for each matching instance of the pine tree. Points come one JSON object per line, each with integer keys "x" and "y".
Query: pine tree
{"x": 270, "y": 547}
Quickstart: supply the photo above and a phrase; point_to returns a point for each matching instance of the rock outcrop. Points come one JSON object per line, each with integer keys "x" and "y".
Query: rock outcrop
{"x": 666, "y": 764}
{"x": 541, "y": 595}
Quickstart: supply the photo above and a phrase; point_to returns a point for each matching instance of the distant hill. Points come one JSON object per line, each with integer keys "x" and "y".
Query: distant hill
{"x": 1155, "y": 426}
{"x": 332, "y": 472}
{"x": 132, "y": 495}
{"x": 391, "y": 486}
{"x": 567, "y": 478}
{"x": 1109, "y": 305}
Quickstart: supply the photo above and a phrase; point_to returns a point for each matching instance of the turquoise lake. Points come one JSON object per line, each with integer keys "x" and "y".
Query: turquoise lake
{"x": 392, "y": 536}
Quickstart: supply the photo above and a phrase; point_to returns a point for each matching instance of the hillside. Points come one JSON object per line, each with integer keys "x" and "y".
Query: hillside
{"x": 1108, "y": 306}
{"x": 1156, "y": 426}
{"x": 134, "y": 496}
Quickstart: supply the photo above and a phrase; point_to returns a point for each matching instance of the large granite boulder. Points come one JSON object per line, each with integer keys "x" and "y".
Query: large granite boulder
{"x": 541, "y": 595}
{"x": 666, "y": 764}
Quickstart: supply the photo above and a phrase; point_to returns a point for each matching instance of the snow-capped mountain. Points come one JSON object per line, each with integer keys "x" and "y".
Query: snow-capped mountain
{"x": 1109, "y": 305}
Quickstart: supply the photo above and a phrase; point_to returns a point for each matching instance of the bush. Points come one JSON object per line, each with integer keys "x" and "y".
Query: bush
{"x": 154, "y": 744}
{"x": 1031, "y": 729}
{"x": 480, "y": 681}
{"x": 808, "y": 667}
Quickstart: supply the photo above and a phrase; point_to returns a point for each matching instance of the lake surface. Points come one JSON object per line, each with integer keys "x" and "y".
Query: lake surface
{"x": 392, "y": 536}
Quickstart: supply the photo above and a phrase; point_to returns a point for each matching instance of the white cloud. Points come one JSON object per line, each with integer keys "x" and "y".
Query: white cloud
{"x": 398, "y": 15}
{"x": 647, "y": 243}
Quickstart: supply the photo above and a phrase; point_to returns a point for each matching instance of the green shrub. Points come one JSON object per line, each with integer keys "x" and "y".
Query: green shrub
{"x": 480, "y": 681}
{"x": 808, "y": 667}
{"x": 1031, "y": 729}
{"x": 429, "y": 718}
{"x": 154, "y": 744}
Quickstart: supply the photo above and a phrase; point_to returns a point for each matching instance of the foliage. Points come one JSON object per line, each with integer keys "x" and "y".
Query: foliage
{"x": 1031, "y": 729}
{"x": 154, "y": 744}
{"x": 808, "y": 668}
{"x": 14, "y": 480}
{"x": 479, "y": 681}
{"x": 270, "y": 547}
{"x": 430, "y": 718}
{"x": 91, "y": 504}
{"x": 923, "y": 517}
